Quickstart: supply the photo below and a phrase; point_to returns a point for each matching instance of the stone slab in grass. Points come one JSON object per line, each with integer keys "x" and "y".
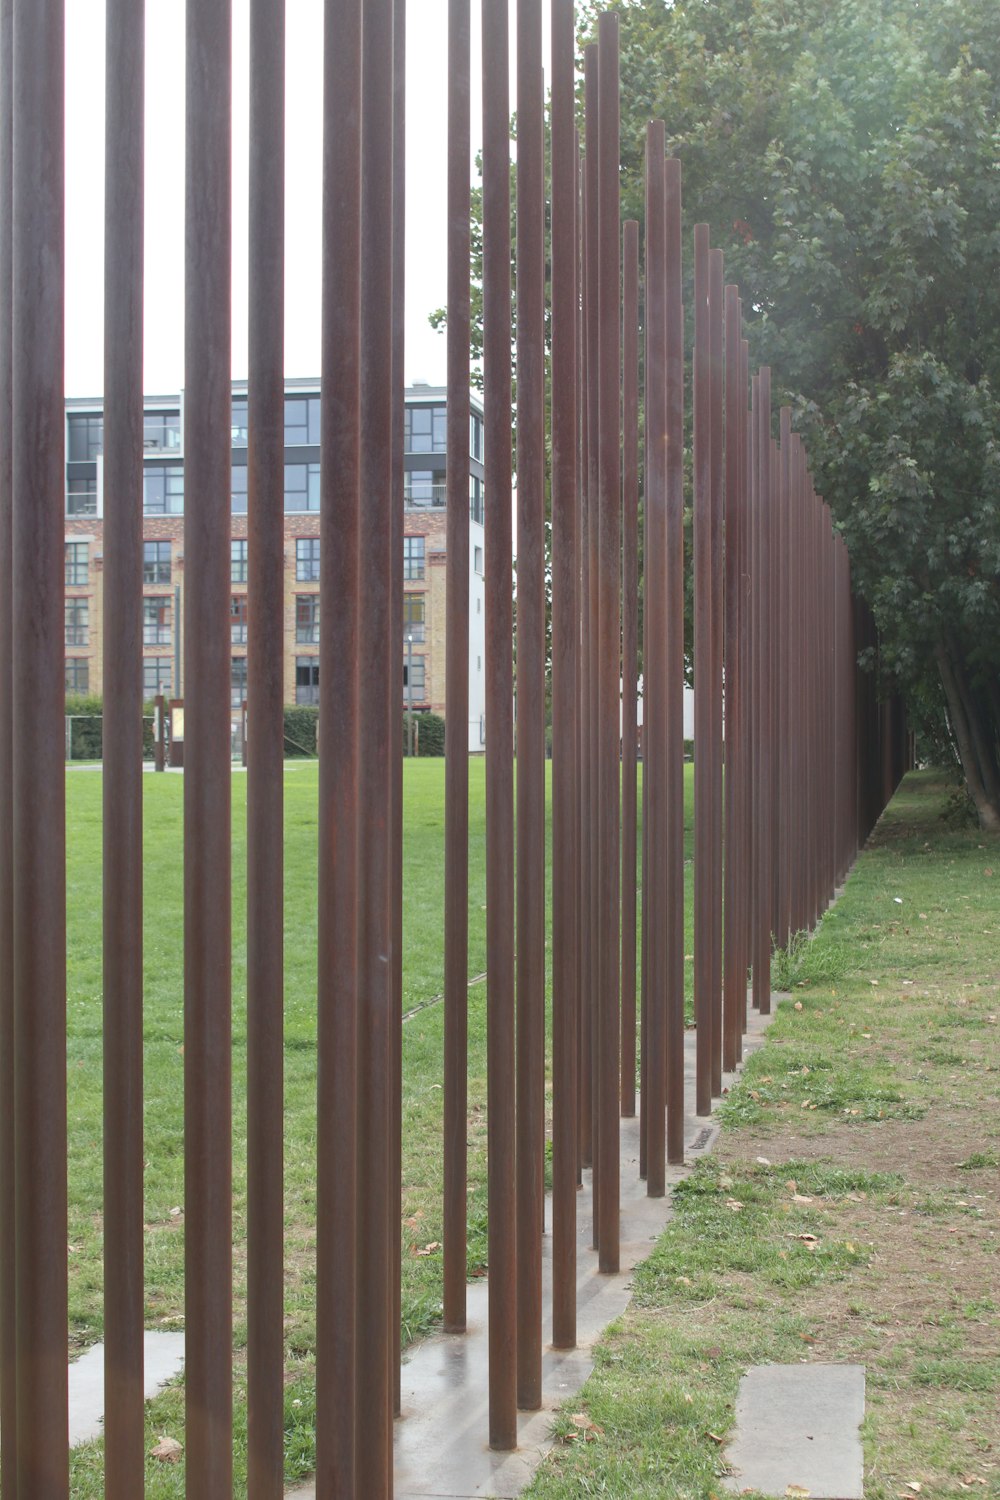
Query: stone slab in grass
{"x": 163, "y": 1359}
{"x": 797, "y": 1432}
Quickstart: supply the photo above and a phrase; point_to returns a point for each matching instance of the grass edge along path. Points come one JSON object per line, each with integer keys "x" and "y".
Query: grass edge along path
{"x": 850, "y": 1211}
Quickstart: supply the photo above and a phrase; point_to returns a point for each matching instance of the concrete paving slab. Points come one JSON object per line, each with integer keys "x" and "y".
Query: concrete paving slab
{"x": 164, "y": 1361}
{"x": 798, "y": 1425}
{"x": 441, "y": 1437}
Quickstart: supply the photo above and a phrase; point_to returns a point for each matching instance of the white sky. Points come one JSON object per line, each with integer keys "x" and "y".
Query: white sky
{"x": 426, "y": 187}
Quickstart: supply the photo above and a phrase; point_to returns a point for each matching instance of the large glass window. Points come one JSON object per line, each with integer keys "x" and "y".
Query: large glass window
{"x": 307, "y": 619}
{"x": 81, "y": 496}
{"x": 76, "y": 564}
{"x": 425, "y": 429}
{"x": 413, "y": 617}
{"x": 239, "y": 489}
{"x": 156, "y": 676}
{"x": 476, "y": 436}
{"x": 156, "y": 620}
{"x": 161, "y": 431}
{"x": 240, "y": 429}
{"x": 77, "y": 674}
{"x": 307, "y": 679}
{"x": 86, "y": 438}
{"x": 238, "y": 614}
{"x": 413, "y": 558}
{"x": 307, "y": 559}
{"x": 301, "y": 421}
{"x": 156, "y": 562}
{"x": 163, "y": 490}
{"x": 414, "y": 678}
{"x": 238, "y": 559}
{"x": 237, "y": 681}
{"x": 477, "y": 505}
{"x": 77, "y": 622}
{"x": 302, "y": 487}
{"x": 423, "y": 488}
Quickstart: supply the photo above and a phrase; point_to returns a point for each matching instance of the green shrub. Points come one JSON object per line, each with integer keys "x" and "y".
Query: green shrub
{"x": 301, "y": 723}
{"x": 86, "y": 738}
{"x": 428, "y": 731}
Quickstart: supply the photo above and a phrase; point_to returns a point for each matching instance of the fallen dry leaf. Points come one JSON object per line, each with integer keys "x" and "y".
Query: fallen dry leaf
{"x": 796, "y": 1489}
{"x": 798, "y": 1005}
{"x": 168, "y": 1450}
{"x": 734, "y": 1204}
{"x": 912, "y": 1484}
{"x": 715, "y": 1438}
{"x": 800, "y": 1198}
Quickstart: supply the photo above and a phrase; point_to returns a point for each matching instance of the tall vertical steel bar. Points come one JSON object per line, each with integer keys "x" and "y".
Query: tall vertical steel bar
{"x": 208, "y": 1261}
{"x": 630, "y": 650}
{"x": 746, "y": 680}
{"x": 565, "y": 655}
{"x": 591, "y": 75}
{"x": 734, "y": 873}
{"x": 456, "y": 809}
{"x": 609, "y": 639}
{"x": 753, "y": 668}
{"x": 337, "y": 957}
{"x": 123, "y": 1134}
{"x": 499, "y": 735}
{"x": 716, "y": 333}
{"x": 654, "y": 724}
{"x": 784, "y": 728}
{"x": 587, "y": 694}
{"x": 378, "y": 700}
{"x": 39, "y": 833}
{"x": 530, "y": 700}
{"x": 674, "y": 663}
{"x": 763, "y": 777}
{"x": 703, "y": 680}
{"x": 8, "y": 1290}
{"x": 794, "y": 653}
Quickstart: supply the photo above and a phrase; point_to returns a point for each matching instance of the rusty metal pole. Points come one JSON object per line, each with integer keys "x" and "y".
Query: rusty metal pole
{"x": 763, "y": 770}
{"x": 674, "y": 664}
{"x": 746, "y": 674}
{"x": 734, "y": 873}
{"x": 795, "y": 810}
{"x": 785, "y": 728}
{"x": 456, "y": 809}
{"x": 609, "y": 640}
{"x": 499, "y": 735}
{"x": 753, "y": 673}
{"x": 591, "y": 68}
{"x": 530, "y": 785}
{"x": 630, "y": 650}
{"x": 337, "y": 972}
{"x": 655, "y": 726}
{"x": 124, "y": 1305}
{"x": 8, "y": 1290}
{"x": 587, "y": 694}
{"x": 208, "y": 1260}
{"x": 38, "y": 783}
{"x": 565, "y": 642}
{"x": 703, "y": 732}
{"x": 716, "y": 333}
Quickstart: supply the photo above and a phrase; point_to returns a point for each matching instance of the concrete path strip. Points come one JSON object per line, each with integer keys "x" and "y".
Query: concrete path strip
{"x": 797, "y": 1432}
{"x": 164, "y": 1361}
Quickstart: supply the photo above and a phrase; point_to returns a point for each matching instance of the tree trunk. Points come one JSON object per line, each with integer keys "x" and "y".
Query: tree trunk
{"x": 987, "y": 808}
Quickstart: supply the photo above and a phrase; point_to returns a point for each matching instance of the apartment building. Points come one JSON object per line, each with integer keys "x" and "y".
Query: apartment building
{"x": 424, "y": 573}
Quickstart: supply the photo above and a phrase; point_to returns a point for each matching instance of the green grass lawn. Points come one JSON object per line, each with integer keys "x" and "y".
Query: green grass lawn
{"x": 422, "y": 1102}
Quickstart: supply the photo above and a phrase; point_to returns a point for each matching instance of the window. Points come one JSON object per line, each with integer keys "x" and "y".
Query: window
{"x": 77, "y": 674}
{"x": 476, "y": 436}
{"x": 240, "y": 430}
{"x": 307, "y": 619}
{"x": 156, "y": 562}
{"x": 477, "y": 560}
{"x": 238, "y": 559}
{"x": 302, "y": 487}
{"x": 425, "y": 429}
{"x": 77, "y": 622}
{"x": 237, "y": 681}
{"x": 81, "y": 496}
{"x": 156, "y": 620}
{"x": 414, "y": 678}
{"x": 76, "y": 565}
{"x": 477, "y": 505}
{"x": 238, "y": 615}
{"x": 413, "y": 617}
{"x": 420, "y": 489}
{"x": 155, "y": 676}
{"x": 161, "y": 431}
{"x": 413, "y": 558}
{"x": 307, "y": 559}
{"x": 301, "y": 421}
{"x": 239, "y": 489}
{"x": 86, "y": 438}
{"x": 307, "y": 679}
{"x": 162, "y": 490}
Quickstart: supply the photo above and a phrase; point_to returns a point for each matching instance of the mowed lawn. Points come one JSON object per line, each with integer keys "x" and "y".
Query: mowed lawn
{"x": 164, "y": 1073}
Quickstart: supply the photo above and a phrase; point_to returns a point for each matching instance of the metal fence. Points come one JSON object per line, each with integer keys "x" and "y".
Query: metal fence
{"x": 810, "y": 754}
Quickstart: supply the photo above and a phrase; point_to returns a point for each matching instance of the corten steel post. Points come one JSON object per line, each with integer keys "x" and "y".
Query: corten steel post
{"x": 265, "y": 773}
{"x": 674, "y": 664}
{"x": 378, "y": 701}
{"x": 746, "y": 678}
{"x": 499, "y": 735}
{"x": 794, "y": 671}
{"x": 716, "y": 333}
{"x": 763, "y": 774}
{"x": 530, "y": 784}
{"x": 609, "y": 640}
{"x": 456, "y": 807}
{"x": 124, "y": 1452}
{"x": 753, "y": 669}
{"x": 8, "y": 1302}
{"x": 654, "y": 722}
{"x": 775, "y": 565}
{"x": 785, "y": 726}
{"x": 336, "y": 1249}
{"x": 703, "y": 680}
{"x": 630, "y": 650}
{"x": 565, "y": 654}
{"x": 734, "y": 873}
{"x": 591, "y": 73}
{"x": 208, "y": 1260}
{"x": 587, "y": 696}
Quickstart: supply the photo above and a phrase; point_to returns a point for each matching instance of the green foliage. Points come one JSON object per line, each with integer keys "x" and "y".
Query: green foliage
{"x": 428, "y": 732}
{"x": 85, "y": 740}
{"x": 301, "y": 723}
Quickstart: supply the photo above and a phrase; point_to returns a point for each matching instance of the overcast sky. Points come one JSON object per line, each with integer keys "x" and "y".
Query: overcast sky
{"x": 425, "y": 231}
